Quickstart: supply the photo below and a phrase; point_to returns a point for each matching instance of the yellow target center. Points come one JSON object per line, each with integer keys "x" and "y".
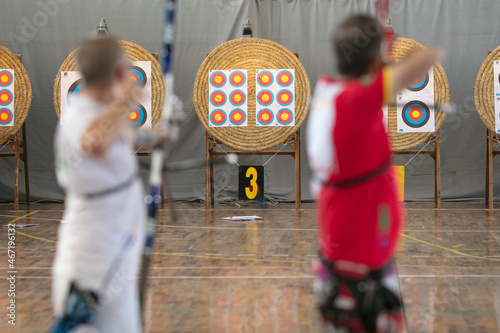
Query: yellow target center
{"x": 284, "y": 78}
{"x": 237, "y": 79}
{"x": 265, "y": 116}
{"x": 284, "y": 98}
{"x": 265, "y": 98}
{"x": 218, "y": 117}
{"x": 265, "y": 79}
{"x": 4, "y": 116}
{"x": 133, "y": 78}
{"x": 237, "y": 98}
{"x": 133, "y": 115}
{"x": 237, "y": 116}
{"x": 415, "y": 114}
{"x": 5, "y": 78}
{"x": 4, "y": 98}
{"x": 218, "y": 98}
{"x": 218, "y": 79}
{"x": 284, "y": 116}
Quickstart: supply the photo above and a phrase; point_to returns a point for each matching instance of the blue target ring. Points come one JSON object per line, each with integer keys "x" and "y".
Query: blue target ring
{"x": 138, "y": 116}
{"x": 415, "y": 114}
{"x": 138, "y": 75}
{"x": 418, "y": 85}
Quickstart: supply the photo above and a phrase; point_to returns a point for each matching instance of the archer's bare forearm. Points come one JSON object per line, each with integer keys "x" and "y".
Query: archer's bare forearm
{"x": 413, "y": 67}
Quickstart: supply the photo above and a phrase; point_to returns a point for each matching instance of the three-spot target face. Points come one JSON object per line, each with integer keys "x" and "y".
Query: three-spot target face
{"x": 6, "y": 117}
{"x": 265, "y": 78}
{"x": 237, "y": 79}
{"x": 138, "y": 75}
{"x": 6, "y": 78}
{"x": 285, "y": 116}
{"x": 218, "y": 117}
{"x": 265, "y": 98}
{"x": 415, "y": 114}
{"x": 6, "y": 97}
{"x": 285, "y": 97}
{"x": 137, "y": 116}
{"x": 237, "y": 98}
{"x": 420, "y": 83}
{"x": 218, "y": 98}
{"x": 265, "y": 117}
{"x": 285, "y": 78}
{"x": 218, "y": 79}
{"x": 237, "y": 117}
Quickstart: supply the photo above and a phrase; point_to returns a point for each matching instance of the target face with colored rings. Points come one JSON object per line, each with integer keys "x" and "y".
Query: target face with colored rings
{"x": 265, "y": 98}
{"x": 76, "y": 88}
{"x": 237, "y": 79}
{"x": 265, "y": 78}
{"x": 138, "y": 75}
{"x": 6, "y": 117}
{"x": 265, "y": 117}
{"x": 285, "y": 116}
{"x": 419, "y": 84}
{"x": 285, "y": 97}
{"x": 6, "y": 97}
{"x": 6, "y": 78}
{"x": 285, "y": 78}
{"x": 237, "y": 98}
{"x": 218, "y": 117}
{"x": 218, "y": 79}
{"x": 218, "y": 98}
{"x": 415, "y": 114}
{"x": 237, "y": 117}
{"x": 137, "y": 116}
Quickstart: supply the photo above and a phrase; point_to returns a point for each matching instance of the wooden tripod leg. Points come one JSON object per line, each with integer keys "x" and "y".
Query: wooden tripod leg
{"x": 297, "y": 171}
{"x": 207, "y": 171}
{"x": 26, "y": 168}
{"x": 212, "y": 191}
{"x": 437, "y": 172}
{"x": 16, "y": 171}
{"x": 489, "y": 170}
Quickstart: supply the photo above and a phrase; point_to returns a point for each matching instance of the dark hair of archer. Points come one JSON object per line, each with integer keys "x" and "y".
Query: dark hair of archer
{"x": 98, "y": 60}
{"x": 356, "y": 43}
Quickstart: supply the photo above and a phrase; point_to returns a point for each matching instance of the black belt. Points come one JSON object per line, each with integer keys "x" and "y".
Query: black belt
{"x": 118, "y": 188}
{"x": 362, "y": 179}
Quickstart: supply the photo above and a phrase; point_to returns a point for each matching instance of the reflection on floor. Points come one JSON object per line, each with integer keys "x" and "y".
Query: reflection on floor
{"x": 211, "y": 275}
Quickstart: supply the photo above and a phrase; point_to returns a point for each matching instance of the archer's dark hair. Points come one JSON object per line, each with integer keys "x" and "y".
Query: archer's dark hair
{"x": 98, "y": 59}
{"x": 356, "y": 42}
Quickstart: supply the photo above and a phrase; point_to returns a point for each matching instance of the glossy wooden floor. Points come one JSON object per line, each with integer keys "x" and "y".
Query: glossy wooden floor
{"x": 211, "y": 275}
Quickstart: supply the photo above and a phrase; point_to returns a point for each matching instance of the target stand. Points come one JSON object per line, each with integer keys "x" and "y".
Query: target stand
{"x": 251, "y": 57}
{"x": 492, "y": 142}
{"x": 18, "y": 143}
{"x": 211, "y": 153}
{"x": 435, "y": 154}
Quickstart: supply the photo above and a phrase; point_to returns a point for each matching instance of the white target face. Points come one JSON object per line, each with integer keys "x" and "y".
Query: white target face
{"x": 496, "y": 85}
{"x": 228, "y": 98}
{"x": 7, "y": 97}
{"x": 275, "y": 97}
{"x": 415, "y": 106}
{"x": 72, "y": 85}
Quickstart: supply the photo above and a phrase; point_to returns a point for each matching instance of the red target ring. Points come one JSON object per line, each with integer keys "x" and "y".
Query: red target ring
{"x": 237, "y": 79}
{"x": 265, "y": 98}
{"x": 285, "y": 97}
{"x": 218, "y": 117}
{"x": 6, "y": 117}
{"x": 218, "y": 98}
{"x": 285, "y": 116}
{"x": 6, "y": 78}
{"x": 237, "y": 117}
{"x": 6, "y": 97}
{"x": 218, "y": 79}
{"x": 237, "y": 98}
{"x": 285, "y": 78}
{"x": 265, "y": 78}
{"x": 265, "y": 117}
